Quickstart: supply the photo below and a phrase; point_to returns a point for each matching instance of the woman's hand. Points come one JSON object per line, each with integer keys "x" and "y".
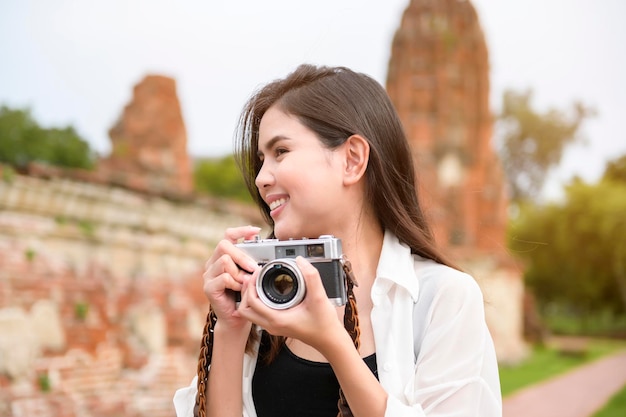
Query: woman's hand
{"x": 314, "y": 321}
{"x": 225, "y": 272}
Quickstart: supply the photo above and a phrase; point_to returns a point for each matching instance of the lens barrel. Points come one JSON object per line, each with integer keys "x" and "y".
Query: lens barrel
{"x": 280, "y": 284}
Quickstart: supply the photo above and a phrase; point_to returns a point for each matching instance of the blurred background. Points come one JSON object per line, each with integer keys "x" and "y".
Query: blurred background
{"x": 116, "y": 126}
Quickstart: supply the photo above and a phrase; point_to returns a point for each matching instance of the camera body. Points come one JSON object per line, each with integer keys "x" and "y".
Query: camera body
{"x": 280, "y": 283}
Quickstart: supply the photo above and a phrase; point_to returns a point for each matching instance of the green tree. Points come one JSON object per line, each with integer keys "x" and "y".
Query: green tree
{"x": 23, "y": 141}
{"x": 530, "y": 143}
{"x": 220, "y": 177}
{"x": 576, "y": 250}
{"x": 616, "y": 170}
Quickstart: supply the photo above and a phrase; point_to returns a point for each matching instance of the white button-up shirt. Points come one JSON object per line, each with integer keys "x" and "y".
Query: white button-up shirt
{"x": 434, "y": 353}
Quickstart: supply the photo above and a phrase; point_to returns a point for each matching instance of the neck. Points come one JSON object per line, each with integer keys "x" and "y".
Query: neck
{"x": 362, "y": 248}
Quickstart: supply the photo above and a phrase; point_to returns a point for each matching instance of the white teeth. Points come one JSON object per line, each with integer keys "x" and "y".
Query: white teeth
{"x": 277, "y": 203}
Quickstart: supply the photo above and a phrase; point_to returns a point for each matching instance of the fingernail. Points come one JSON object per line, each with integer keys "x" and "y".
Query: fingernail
{"x": 251, "y": 267}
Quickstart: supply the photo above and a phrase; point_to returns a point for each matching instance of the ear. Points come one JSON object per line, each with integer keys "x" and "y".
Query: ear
{"x": 357, "y": 154}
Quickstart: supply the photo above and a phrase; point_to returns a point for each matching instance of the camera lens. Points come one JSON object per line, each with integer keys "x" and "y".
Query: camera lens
{"x": 280, "y": 284}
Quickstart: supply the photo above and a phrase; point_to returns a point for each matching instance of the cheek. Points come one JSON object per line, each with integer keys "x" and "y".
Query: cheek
{"x": 310, "y": 178}
{"x": 320, "y": 189}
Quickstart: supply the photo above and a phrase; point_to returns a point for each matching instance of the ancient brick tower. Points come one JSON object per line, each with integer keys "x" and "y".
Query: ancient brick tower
{"x": 438, "y": 79}
{"x": 149, "y": 141}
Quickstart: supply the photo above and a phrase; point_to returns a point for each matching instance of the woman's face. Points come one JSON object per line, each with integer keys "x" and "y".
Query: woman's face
{"x": 300, "y": 180}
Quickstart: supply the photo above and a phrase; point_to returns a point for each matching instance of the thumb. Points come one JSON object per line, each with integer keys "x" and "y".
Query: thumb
{"x": 311, "y": 276}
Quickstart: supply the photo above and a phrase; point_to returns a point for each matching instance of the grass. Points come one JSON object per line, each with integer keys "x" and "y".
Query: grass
{"x": 549, "y": 361}
{"x": 596, "y": 324}
{"x": 616, "y": 407}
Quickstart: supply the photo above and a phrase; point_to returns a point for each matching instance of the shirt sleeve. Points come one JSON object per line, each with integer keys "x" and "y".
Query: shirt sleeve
{"x": 456, "y": 372}
{"x": 185, "y": 399}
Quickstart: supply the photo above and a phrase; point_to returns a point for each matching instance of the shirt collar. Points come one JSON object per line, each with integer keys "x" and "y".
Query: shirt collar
{"x": 396, "y": 266}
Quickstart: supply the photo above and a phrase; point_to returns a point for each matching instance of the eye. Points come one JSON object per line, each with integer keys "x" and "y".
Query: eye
{"x": 280, "y": 151}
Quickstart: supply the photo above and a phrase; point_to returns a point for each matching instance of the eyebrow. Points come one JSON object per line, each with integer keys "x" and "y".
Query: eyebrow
{"x": 270, "y": 144}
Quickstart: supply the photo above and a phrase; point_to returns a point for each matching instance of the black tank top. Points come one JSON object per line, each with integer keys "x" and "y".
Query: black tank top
{"x": 293, "y": 386}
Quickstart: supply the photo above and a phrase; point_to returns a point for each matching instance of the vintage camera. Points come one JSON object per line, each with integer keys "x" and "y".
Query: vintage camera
{"x": 280, "y": 283}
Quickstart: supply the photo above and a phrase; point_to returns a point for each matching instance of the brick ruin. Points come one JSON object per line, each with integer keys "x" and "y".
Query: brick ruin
{"x": 438, "y": 79}
{"x": 149, "y": 141}
{"x": 101, "y": 306}
{"x": 101, "y": 302}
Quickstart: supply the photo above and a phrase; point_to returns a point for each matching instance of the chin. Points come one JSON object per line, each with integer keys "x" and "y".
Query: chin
{"x": 281, "y": 233}
{"x": 286, "y": 236}
{"x": 285, "y": 233}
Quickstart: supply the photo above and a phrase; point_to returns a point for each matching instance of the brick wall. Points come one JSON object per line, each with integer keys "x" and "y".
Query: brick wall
{"x": 101, "y": 303}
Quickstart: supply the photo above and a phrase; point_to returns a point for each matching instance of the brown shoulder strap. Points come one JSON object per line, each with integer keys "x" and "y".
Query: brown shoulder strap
{"x": 351, "y": 323}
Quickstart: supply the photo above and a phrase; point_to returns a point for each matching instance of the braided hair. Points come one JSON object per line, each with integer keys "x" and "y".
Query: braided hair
{"x": 350, "y": 321}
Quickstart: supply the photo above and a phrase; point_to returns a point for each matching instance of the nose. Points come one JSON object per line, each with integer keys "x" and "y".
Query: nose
{"x": 264, "y": 178}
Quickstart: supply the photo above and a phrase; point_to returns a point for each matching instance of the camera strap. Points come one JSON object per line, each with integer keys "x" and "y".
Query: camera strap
{"x": 350, "y": 322}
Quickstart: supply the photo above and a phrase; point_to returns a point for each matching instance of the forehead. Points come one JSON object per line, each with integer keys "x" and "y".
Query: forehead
{"x": 276, "y": 123}
{"x": 275, "y": 119}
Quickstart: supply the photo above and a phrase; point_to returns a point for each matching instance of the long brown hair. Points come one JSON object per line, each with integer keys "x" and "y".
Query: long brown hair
{"x": 336, "y": 103}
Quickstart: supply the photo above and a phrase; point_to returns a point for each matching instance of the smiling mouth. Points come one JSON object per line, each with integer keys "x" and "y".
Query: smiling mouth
{"x": 277, "y": 203}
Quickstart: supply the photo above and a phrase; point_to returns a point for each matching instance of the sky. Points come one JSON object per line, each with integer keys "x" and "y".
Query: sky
{"x": 75, "y": 62}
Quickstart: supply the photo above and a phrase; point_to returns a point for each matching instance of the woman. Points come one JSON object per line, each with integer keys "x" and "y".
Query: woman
{"x": 323, "y": 152}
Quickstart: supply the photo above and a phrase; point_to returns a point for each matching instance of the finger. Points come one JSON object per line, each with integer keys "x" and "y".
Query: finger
{"x": 221, "y": 248}
{"x": 234, "y": 234}
{"x": 251, "y": 306}
{"x": 222, "y": 265}
{"x": 237, "y": 257}
{"x": 249, "y": 288}
{"x": 244, "y": 261}
{"x": 311, "y": 276}
{"x": 221, "y": 282}
{"x": 228, "y": 275}
{"x": 244, "y": 309}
